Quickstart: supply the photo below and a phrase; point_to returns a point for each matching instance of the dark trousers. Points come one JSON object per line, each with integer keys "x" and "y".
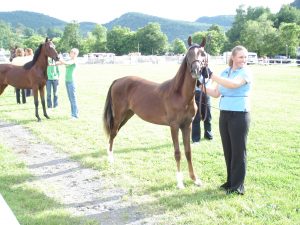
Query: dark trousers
{"x": 196, "y": 128}
{"x": 234, "y": 128}
{"x": 18, "y": 95}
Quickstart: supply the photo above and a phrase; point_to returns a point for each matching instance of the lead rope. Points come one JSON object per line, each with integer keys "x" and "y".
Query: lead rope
{"x": 203, "y": 91}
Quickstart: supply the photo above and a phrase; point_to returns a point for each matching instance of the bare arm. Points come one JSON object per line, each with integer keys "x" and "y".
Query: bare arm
{"x": 228, "y": 83}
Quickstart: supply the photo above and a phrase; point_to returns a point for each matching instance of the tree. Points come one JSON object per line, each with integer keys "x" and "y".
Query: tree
{"x": 234, "y": 32}
{"x": 54, "y": 32}
{"x": 34, "y": 41}
{"x": 151, "y": 39}
{"x": 7, "y": 38}
{"x": 215, "y": 39}
{"x": 260, "y": 36}
{"x": 71, "y": 38}
{"x": 178, "y": 46}
{"x": 100, "y": 38}
{"x": 289, "y": 34}
{"x": 287, "y": 14}
{"x": 121, "y": 40}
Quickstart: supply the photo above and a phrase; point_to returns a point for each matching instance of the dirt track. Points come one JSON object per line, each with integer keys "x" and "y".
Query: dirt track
{"x": 80, "y": 190}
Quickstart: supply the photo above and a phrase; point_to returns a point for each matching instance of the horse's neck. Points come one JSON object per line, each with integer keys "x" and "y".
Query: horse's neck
{"x": 183, "y": 83}
{"x": 42, "y": 61}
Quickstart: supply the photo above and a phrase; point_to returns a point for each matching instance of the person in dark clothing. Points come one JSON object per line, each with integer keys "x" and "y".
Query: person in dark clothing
{"x": 200, "y": 115}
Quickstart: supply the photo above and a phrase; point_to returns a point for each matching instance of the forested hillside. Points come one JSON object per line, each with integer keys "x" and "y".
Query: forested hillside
{"x": 172, "y": 28}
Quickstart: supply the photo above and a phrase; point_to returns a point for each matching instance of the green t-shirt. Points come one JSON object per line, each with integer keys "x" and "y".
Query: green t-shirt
{"x": 53, "y": 72}
{"x": 69, "y": 72}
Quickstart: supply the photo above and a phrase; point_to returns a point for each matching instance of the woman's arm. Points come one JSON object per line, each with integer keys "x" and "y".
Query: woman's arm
{"x": 228, "y": 83}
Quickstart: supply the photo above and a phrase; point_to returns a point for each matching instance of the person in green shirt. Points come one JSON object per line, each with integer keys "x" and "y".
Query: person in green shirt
{"x": 71, "y": 65}
{"x": 52, "y": 83}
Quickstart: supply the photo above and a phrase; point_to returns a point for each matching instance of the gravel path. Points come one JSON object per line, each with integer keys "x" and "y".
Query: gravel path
{"x": 80, "y": 190}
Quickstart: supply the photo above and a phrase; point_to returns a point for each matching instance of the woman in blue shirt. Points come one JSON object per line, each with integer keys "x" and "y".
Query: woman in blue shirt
{"x": 233, "y": 86}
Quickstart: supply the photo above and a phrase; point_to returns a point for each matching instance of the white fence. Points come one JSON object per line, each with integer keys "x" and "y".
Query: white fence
{"x": 177, "y": 59}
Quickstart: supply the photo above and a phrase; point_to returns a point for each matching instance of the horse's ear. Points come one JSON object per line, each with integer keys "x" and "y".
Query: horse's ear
{"x": 203, "y": 43}
{"x": 47, "y": 39}
{"x": 190, "y": 41}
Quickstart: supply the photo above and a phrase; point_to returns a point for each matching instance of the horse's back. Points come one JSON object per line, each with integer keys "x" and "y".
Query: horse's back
{"x": 5, "y": 67}
{"x": 141, "y": 96}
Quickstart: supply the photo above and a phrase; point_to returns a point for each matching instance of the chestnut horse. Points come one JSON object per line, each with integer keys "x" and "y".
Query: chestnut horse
{"x": 32, "y": 75}
{"x": 170, "y": 103}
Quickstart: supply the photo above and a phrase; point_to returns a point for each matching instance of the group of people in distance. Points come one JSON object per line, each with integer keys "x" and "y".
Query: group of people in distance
{"x": 22, "y": 56}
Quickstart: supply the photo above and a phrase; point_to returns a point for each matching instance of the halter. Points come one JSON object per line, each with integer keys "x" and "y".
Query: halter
{"x": 202, "y": 63}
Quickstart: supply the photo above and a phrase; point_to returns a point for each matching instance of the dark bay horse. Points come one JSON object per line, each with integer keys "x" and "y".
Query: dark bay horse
{"x": 32, "y": 75}
{"x": 170, "y": 103}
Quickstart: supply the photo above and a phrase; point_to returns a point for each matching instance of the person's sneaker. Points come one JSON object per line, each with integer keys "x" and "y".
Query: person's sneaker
{"x": 208, "y": 135}
{"x": 196, "y": 143}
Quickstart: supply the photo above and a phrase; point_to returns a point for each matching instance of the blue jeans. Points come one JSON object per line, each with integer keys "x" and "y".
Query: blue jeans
{"x": 53, "y": 84}
{"x": 71, "y": 90}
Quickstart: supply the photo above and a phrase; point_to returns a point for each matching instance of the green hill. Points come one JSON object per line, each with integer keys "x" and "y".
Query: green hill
{"x": 172, "y": 28}
{"x": 223, "y": 21}
{"x": 31, "y": 19}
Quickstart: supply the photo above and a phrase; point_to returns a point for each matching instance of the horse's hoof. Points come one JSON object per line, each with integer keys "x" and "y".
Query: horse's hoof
{"x": 179, "y": 178}
{"x": 198, "y": 182}
{"x": 47, "y": 117}
{"x": 110, "y": 158}
{"x": 180, "y": 186}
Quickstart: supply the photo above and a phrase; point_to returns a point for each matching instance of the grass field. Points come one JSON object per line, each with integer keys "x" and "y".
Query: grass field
{"x": 144, "y": 163}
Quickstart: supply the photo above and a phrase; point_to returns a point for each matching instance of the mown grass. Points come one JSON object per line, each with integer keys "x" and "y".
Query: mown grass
{"x": 144, "y": 162}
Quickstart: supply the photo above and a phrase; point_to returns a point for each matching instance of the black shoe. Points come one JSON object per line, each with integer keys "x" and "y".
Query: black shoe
{"x": 231, "y": 191}
{"x": 224, "y": 186}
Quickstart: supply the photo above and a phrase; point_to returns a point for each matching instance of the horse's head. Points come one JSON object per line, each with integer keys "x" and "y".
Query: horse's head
{"x": 50, "y": 49}
{"x": 196, "y": 57}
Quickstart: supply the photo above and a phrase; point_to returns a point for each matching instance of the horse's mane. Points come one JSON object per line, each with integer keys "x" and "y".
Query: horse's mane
{"x": 175, "y": 84}
{"x": 30, "y": 64}
{"x": 178, "y": 79}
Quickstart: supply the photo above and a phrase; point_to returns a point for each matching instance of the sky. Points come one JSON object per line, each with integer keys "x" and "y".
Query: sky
{"x": 107, "y": 10}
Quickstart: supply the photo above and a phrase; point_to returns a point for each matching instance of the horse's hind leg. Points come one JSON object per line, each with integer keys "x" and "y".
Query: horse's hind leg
{"x": 186, "y": 133}
{"x": 2, "y": 87}
{"x": 119, "y": 121}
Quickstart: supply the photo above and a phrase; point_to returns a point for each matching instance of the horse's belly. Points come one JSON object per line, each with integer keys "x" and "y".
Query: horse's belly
{"x": 152, "y": 116}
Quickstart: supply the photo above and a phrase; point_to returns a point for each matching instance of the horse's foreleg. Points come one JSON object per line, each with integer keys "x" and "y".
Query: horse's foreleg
{"x": 186, "y": 134}
{"x": 177, "y": 155}
{"x": 42, "y": 96}
{"x": 36, "y": 104}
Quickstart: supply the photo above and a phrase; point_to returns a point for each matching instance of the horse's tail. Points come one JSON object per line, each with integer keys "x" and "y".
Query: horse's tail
{"x": 108, "y": 118}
